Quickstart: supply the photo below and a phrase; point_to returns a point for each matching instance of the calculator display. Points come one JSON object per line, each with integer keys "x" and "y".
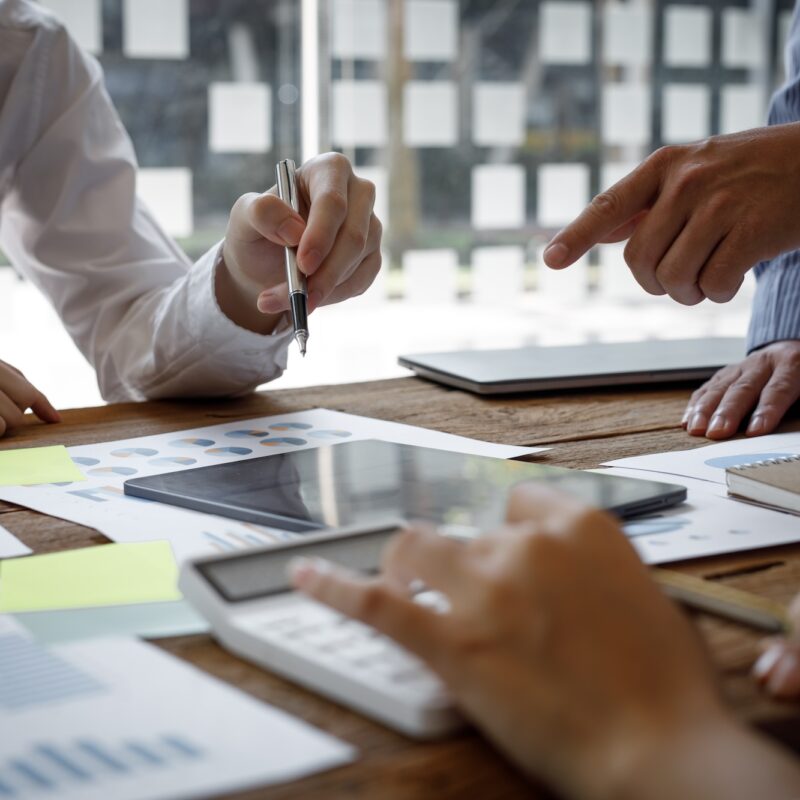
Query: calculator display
{"x": 250, "y": 576}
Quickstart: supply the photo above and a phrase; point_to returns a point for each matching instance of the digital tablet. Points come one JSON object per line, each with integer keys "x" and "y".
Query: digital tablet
{"x": 366, "y": 482}
{"x": 532, "y": 369}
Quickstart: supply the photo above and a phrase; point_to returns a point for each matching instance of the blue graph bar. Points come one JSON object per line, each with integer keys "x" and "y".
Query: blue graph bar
{"x": 57, "y": 768}
{"x": 31, "y": 674}
{"x": 145, "y": 753}
{"x": 182, "y": 746}
{"x": 63, "y": 761}
{"x": 32, "y": 774}
{"x": 103, "y": 756}
{"x": 220, "y": 541}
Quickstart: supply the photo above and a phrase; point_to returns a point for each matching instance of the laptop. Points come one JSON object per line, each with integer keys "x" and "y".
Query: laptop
{"x": 539, "y": 369}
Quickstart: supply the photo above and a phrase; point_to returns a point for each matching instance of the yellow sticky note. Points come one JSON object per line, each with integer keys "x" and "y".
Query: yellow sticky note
{"x": 108, "y": 575}
{"x": 37, "y": 465}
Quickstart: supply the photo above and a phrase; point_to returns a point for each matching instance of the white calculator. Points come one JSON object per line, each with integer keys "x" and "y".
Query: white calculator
{"x": 254, "y": 612}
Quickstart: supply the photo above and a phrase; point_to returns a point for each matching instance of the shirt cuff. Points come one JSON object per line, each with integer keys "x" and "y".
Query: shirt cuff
{"x": 255, "y": 357}
{"x": 776, "y": 305}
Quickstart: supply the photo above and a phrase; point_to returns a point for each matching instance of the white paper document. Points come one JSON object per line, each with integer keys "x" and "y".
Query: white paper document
{"x": 10, "y": 546}
{"x": 709, "y": 463}
{"x": 118, "y": 718}
{"x": 709, "y": 523}
{"x": 99, "y": 502}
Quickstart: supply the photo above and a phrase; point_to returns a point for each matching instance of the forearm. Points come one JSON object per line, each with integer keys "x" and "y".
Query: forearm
{"x": 718, "y": 760}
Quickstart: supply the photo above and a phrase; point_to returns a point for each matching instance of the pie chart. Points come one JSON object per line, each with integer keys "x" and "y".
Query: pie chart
{"x": 229, "y": 451}
{"x": 191, "y": 442}
{"x": 279, "y": 440}
{"x": 84, "y": 461}
{"x": 183, "y": 461}
{"x": 112, "y": 471}
{"x": 330, "y": 434}
{"x": 250, "y": 433}
{"x": 291, "y": 426}
{"x": 723, "y": 462}
{"x": 127, "y": 452}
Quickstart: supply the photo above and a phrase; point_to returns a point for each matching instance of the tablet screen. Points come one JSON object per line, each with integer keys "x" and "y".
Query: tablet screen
{"x": 371, "y": 482}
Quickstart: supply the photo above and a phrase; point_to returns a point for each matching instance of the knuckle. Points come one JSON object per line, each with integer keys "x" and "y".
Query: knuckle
{"x": 368, "y": 188}
{"x": 355, "y": 237}
{"x": 782, "y": 387}
{"x": 689, "y": 177}
{"x": 637, "y": 257}
{"x": 375, "y": 229}
{"x": 607, "y": 203}
{"x": 337, "y": 161}
{"x": 336, "y": 202}
{"x": 663, "y": 156}
{"x": 747, "y": 384}
{"x": 717, "y": 285}
{"x": 371, "y": 605}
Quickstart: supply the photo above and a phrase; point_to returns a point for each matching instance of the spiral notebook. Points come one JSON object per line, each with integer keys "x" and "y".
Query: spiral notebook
{"x": 774, "y": 483}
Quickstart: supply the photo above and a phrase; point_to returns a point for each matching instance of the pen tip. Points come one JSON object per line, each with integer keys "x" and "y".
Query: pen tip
{"x": 301, "y": 339}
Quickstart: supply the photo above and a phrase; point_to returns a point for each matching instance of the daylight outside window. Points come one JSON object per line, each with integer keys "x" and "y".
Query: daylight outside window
{"x": 485, "y": 126}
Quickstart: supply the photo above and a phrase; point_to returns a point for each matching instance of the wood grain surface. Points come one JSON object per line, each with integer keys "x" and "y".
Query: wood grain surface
{"x": 585, "y": 429}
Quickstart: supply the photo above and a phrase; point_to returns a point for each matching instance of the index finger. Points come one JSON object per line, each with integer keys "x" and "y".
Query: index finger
{"x": 606, "y": 214}
{"x": 327, "y": 184}
{"x": 372, "y": 601}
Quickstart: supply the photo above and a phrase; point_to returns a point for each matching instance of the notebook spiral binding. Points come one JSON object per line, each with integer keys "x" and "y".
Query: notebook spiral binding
{"x": 768, "y": 462}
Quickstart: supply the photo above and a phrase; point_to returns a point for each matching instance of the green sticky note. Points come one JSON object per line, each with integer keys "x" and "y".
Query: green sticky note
{"x": 37, "y": 465}
{"x": 111, "y": 574}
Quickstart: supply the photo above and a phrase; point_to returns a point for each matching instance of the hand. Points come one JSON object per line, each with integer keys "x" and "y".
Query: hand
{"x": 778, "y": 668}
{"x": 17, "y": 395}
{"x": 698, "y": 216}
{"x": 557, "y": 644}
{"x": 768, "y": 380}
{"x": 336, "y": 233}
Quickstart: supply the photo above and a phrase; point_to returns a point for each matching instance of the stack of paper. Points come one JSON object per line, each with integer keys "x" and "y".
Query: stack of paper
{"x": 711, "y": 522}
{"x": 119, "y": 718}
{"x": 99, "y": 501}
{"x": 95, "y": 591}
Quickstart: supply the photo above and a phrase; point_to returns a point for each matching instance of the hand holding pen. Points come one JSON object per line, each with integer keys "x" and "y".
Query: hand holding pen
{"x": 335, "y": 234}
{"x": 295, "y": 280}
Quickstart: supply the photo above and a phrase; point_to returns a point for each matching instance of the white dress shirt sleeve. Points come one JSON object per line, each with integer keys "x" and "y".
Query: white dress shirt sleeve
{"x": 142, "y": 314}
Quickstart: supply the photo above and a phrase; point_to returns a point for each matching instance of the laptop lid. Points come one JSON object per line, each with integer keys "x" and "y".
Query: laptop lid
{"x": 532, "y": 369}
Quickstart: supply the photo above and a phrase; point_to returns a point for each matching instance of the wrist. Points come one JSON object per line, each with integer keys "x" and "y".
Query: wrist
{"x": 711, "y": 754}
{"x": 238, "y": 302}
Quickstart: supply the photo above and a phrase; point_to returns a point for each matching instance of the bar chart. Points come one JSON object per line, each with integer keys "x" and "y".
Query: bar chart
{"x": 62, "y": 767}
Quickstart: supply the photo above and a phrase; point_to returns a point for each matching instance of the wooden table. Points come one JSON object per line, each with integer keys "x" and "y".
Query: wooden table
{"x": 586, "y": 429}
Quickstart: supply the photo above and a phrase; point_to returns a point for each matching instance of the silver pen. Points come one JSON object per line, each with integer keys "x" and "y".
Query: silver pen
{"x": 296, "y": 280}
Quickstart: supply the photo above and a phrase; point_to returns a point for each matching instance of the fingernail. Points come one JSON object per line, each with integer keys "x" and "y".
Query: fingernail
{"x": 291, "y": 231}
{"x": 310, "y": 261}
{"x": 784, "y": 681}
{"x": 718, "y": 424}
{"x": 756, "y": 426}
{"x": 314, "y": 299}
{"x": 555, "y": 255}
{"x": 301, "y": 570}
{"x": 767, "y": 661}
{"x": 698, "y": 423}
{"x": 685, "y": 417}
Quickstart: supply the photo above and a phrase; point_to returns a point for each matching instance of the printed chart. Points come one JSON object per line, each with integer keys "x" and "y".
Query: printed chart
{"x": 100, "y": 502}
{"x": 89, "y": 727}
{"x": 709, "y": 523}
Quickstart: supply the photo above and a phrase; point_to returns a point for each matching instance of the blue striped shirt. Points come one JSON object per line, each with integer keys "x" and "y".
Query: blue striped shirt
{"x": 776, "y": 306}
